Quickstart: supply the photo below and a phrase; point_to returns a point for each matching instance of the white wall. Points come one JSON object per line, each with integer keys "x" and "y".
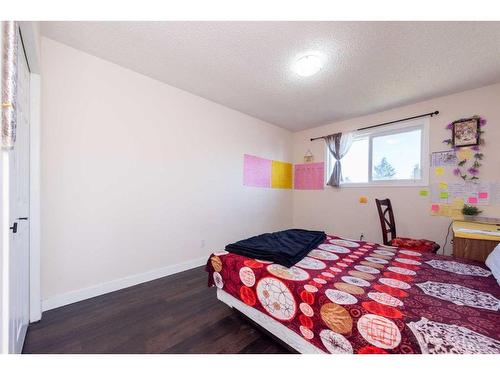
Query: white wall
{"x": 136, "y": 173}
{"x": 338, "y": 210}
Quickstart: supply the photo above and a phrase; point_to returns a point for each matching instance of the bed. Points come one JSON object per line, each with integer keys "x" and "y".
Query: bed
{"x": 359, "y": 297}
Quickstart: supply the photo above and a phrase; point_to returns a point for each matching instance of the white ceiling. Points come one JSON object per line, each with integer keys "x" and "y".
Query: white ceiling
{"x": 370, "y": 66}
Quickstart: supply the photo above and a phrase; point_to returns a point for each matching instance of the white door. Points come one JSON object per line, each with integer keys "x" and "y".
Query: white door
{"x": 19, "y": 172}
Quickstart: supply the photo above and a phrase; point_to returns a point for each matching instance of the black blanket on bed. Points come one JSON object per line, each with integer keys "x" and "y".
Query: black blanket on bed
{"x": 286, "y": 247}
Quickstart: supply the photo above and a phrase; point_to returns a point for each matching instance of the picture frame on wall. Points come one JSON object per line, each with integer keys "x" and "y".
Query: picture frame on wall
{"x": 466, "y": 132}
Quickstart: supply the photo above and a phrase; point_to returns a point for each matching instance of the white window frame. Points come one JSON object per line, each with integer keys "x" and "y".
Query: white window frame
{"x": 399, "y": 127}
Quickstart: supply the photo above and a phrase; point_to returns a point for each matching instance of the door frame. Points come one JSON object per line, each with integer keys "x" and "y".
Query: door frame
{"x": 31, "y": 40}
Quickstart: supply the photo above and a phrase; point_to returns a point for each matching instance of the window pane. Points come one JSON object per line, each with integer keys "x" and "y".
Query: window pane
{"x": 397, "y": 156}
{"x": 355, "y": 162}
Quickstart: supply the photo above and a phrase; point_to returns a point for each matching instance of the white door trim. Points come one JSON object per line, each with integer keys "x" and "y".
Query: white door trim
{"x": 35, "y": 272}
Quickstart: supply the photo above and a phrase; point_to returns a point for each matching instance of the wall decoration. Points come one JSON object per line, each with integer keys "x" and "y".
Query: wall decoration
{"x": 256, "y": 171}
{"x": 458, "y": 193}
{"x": 443, "y": 158}
{"x": 308, "y": 157}
{"x": 309, "y": 176}
{"x": 445, "y": 210}
{"x": 467, "y": 133}
{"x": 281, "y": 175}
{"x": 266, "y": 173}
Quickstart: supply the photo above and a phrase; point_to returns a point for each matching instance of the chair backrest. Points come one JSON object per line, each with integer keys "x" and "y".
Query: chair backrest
{"x": 386, "y": 217}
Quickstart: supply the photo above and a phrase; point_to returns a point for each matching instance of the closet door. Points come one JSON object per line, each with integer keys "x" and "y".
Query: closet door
{"x": 19, "y": 212}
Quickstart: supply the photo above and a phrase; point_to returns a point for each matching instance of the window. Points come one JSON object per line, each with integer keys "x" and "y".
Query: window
{"x": 387, "y": 155}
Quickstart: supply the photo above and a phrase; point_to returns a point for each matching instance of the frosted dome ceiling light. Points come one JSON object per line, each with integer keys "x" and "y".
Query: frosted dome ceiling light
{"x": 308, "y": 65}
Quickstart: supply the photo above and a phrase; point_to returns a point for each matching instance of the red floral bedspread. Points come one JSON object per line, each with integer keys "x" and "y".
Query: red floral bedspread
{"x": 359, "y": 297}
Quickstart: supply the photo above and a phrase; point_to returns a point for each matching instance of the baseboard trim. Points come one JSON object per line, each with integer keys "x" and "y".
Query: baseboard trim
{"x": 117, "y": 284}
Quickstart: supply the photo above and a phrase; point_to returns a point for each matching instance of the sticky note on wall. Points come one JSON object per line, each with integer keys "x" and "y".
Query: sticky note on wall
{"x": 458, "y": 203}
{"x": 439, "y": 171}
{"x": 363, "y": 200}
{"x": 442, "y": 210}
{"x": 445, "y": 210}
{"x": 472, "y": 200}
{"x": 464, "y": 153}
{"x": 423, "y": 193}
{"x": 281, "y": 175}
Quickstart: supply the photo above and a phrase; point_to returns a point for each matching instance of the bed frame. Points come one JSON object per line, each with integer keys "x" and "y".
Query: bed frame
{"x": 272, "y": 327}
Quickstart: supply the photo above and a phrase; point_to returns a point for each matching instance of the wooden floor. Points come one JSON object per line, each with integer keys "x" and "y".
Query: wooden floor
{"x": 175, "y": 314}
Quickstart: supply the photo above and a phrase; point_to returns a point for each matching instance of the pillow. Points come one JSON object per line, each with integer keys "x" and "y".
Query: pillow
{"x": 493, "y": 262}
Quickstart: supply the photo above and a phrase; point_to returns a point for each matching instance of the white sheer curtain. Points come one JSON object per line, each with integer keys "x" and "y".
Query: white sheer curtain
{"x": 9, "y": 83}
{"x": 338, "y": 145}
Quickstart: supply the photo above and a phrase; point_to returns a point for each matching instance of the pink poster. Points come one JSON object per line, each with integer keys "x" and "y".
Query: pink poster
{"x": 310, "y": 176}
{"x": 256, "y": 171}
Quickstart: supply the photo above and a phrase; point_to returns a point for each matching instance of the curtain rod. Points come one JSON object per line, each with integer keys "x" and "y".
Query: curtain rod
{"x": 390, "y": 122}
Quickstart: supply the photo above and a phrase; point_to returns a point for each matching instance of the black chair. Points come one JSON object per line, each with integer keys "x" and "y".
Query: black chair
{"x": 388, "y": 224}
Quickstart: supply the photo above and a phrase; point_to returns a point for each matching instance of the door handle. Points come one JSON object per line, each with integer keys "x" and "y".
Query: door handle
{"x": 14, "y": 227}
{"x": 22, "y": 218}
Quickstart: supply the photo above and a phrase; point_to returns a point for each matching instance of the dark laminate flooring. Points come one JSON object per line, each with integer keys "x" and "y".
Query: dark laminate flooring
{"x": 174, "y": 314}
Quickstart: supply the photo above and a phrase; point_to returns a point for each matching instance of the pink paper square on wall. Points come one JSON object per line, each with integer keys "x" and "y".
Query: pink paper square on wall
{"x": 256, "y": 171}
{"x": 483, "y": 195}
{"x": 309, "y": 176}
{"x": 472, "y": 200}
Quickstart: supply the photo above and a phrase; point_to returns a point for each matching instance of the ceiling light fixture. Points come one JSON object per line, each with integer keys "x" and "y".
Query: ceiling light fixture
{"x": 308, "y": 65}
